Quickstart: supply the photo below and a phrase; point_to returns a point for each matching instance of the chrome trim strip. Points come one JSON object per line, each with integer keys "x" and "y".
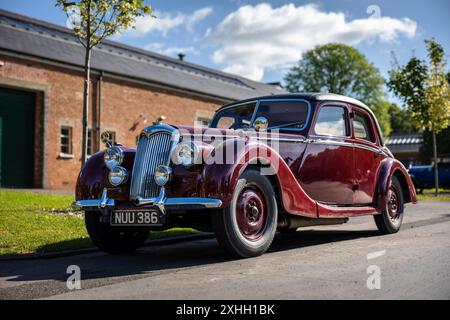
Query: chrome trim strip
{"x": 347, "y": 144}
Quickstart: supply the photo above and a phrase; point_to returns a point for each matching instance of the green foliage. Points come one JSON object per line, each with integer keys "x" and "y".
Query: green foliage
{"x": 341, "y": 69}
{"x": 401, "y": 121}
{"x": 424, "y": 88}
{"x": 437, "y": 95}
{"x": 442, "y": 141}
{"x": 336, "y": 68}
{"x": 381, "y": 111}
{"x": 99, "y": 19}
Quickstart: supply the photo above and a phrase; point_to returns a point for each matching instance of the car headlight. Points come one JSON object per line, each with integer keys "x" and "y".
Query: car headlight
{"x": 162, "y": 175}
{"x": 185, "y": 153}
{"x": 113, "y": 157}
{"x": 117, "y": 176}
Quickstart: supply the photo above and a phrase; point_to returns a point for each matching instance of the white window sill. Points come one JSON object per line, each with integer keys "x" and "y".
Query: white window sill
{"x": 66, "y": 156}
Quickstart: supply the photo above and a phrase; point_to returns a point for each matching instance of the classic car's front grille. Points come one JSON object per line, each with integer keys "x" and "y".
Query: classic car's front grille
{"x": 152, "y": 151}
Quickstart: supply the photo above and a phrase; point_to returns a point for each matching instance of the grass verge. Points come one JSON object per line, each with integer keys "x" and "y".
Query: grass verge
{"x": 428, "y": 195}
{"x": 38, "y": 223}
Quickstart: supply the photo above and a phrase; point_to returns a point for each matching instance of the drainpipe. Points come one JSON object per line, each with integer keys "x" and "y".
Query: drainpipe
{"x": 99, "y": 109}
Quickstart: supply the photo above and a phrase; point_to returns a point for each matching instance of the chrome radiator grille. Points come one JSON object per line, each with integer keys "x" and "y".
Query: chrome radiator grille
{"x": 152, "y": 151}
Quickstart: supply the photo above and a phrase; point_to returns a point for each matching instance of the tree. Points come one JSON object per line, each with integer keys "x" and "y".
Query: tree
{"x": 425, "y": 91}
{"x": 442, "y": 143}
{"x": 401, "y": 120}
{"x": 97, "y": 20}
{"x": 340, "y": 69}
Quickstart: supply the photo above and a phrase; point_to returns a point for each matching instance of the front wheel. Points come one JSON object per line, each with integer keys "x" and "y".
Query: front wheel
{"x": 391, "y": 217}
{"x": 247, "y": 227}
{"x": 113, "y": 240}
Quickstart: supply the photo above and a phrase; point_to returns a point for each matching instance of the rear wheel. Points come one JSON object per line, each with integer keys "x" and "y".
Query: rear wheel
{"x": 113, "y": 240}
{"x": 391, "y": 217}
{"x": 247, "y": 227}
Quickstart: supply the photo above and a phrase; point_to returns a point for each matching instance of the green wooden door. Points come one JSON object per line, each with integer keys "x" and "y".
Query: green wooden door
{"x": 17, "y": 110}
{"x": 1, "y": 130}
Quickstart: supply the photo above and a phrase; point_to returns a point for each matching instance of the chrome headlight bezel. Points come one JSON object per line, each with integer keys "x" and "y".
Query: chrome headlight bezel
{"x": 163, "y": 175}
{"x": 117, "y": 176}
{"x": 186, "y": 154}
{"x": 113, "y": 157}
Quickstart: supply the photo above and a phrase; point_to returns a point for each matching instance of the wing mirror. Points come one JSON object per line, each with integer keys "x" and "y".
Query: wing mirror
{"x": 261, "y": 124}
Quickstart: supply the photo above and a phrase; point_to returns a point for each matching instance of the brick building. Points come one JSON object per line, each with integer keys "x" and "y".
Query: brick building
{"x": 41, "y": 92}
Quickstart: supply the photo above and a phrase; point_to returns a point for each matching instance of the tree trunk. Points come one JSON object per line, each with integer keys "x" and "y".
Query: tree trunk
{"x": 87, "y": 74}
{"x": 436, "y": 175}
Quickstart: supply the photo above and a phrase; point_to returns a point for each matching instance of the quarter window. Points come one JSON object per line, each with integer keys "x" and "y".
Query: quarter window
{"x": 332, "y": 122}
{"x": 66, "y": 140}
{"x": 362, "y": 128}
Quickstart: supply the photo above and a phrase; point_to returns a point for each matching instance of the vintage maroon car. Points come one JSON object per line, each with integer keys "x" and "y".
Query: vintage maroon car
{"x": 265, "y": 164}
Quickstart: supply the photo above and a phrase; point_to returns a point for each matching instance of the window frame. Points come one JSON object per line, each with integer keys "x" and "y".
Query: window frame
{"x": 256, "y": 102}
{"x": 91, "y": 148}
{"x": 308, "y": 114}
{"x": 348, "y": 128}
{"x": 70, "y": 141}
{"x": 255, "y": 111}
{"x": 372, "y": 126}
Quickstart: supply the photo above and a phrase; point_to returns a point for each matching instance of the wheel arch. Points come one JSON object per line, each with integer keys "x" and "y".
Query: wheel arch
{"x": 391, "y": 167}
{"x": 404, "y": 184}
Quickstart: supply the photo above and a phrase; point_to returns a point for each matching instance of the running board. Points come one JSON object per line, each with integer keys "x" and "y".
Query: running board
{"x": 329, "y": 211}
{"x": 293, "y": 222}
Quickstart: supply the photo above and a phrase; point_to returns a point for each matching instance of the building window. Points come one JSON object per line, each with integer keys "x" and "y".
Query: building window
{"x": 91, "y": 142}
{"x": 66, "y": 140}
{"x": 112, "y": 134}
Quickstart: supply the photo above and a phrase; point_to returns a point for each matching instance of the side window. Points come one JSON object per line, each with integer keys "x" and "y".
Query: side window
{"x": 332, "y": 122}
{"x": 362, "y": 127}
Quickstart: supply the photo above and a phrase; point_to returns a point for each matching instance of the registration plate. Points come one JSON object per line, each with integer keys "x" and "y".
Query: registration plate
{"x": 136, "y": 218}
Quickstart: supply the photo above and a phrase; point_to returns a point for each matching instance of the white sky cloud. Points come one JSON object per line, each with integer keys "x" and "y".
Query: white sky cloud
{"x": 169, "y": 50}
{"x": 167, "y": 21}
{"x": 255, "y": 38}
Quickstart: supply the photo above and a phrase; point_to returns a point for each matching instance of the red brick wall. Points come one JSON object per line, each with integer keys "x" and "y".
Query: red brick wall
{"x": 122, "y": 105}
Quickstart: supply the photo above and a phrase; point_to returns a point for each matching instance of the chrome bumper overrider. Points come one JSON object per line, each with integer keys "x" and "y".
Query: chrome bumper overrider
{"x": 162, "y": 202}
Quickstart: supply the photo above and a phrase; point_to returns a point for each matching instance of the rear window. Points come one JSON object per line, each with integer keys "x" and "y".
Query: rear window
{"x": 284, "y": 114}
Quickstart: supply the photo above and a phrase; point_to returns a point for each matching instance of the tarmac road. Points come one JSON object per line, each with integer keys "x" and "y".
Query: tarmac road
{"x": 332, "y": 262}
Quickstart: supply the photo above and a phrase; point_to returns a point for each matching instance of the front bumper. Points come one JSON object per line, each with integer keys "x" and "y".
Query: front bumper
{"x": 162, "y": 202}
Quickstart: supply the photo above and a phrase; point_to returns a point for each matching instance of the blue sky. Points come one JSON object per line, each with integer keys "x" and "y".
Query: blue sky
{"x": 261, "y": 40}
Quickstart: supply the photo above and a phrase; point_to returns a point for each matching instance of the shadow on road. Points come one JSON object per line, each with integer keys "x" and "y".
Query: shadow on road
{"x": 159, "y": 258}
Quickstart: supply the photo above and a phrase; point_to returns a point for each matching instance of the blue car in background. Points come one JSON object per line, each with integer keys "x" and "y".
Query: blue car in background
{"x": 423, "y": 176}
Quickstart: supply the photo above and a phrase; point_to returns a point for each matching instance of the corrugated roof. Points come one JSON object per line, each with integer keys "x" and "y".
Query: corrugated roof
{"x": 37, "y": 38}
{"x": 404, "y": 139}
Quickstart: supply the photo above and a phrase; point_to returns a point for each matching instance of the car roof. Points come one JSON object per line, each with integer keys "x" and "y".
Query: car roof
{"x": 315, "y": 96}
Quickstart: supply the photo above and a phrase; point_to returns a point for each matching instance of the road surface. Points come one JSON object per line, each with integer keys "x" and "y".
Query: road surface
{"x": 332, "y": 262}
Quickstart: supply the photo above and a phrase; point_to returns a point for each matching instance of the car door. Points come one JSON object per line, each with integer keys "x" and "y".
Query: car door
{"x": 367, "y": 155}
{"x": 327, "y": 170}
